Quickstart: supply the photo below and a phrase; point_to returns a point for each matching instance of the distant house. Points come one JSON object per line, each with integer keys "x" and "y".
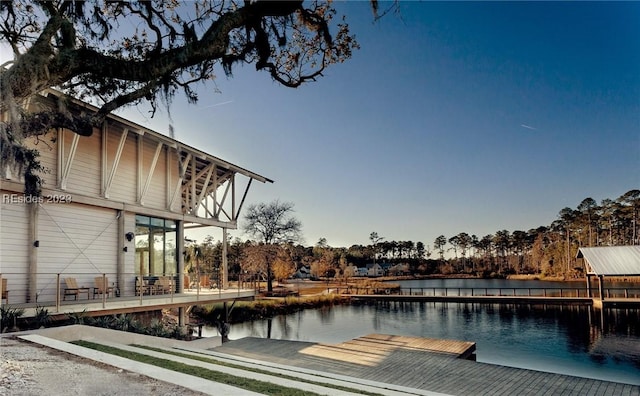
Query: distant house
{"x": 351, "y": 270}
{"x": 303, "y": 272}
{"x": 361, "y": 271}
{"x": 374, "y": 270}
{"x": 386, "y": 267}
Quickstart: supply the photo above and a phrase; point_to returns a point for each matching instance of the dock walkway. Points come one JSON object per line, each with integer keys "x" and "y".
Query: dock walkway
{"x": 417, "y": 363}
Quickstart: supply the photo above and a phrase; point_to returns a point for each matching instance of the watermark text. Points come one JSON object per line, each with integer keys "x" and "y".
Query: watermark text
{"x": 47, "y": 198}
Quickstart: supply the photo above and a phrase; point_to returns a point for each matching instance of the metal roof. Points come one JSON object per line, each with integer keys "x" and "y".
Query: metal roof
{"x": 611, "y": 260}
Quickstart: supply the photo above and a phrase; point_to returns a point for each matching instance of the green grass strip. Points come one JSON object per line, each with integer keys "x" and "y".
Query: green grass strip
{"x": 208, "y": 359}
{"x": 263, "y": 387}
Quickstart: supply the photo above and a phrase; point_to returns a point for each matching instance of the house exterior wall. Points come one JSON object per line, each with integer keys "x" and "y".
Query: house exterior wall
{"x": 84, "y": 172}
{"x": 77, "y": 241}
{"x": 82, "y": 240}
{"x": 123, "y": 186}
{"x": 93, "y": 188}
{"x": 14, "y": 249}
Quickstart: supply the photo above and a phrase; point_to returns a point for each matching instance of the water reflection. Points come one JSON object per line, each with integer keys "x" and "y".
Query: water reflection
{"x": 576, "y": 340}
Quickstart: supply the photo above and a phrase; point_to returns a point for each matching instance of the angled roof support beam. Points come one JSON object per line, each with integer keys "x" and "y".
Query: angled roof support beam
{"x": 221, "y": 203}
{"x": 233, "y": 197}
{"x": 215, "y": 191}
{"x": 192, "y": 195}
{"x": 244, "y": 196}
{"x": 183, "y": 170}
{"x": 203, "y": 192}
{"x": 66, "y": 167}
{"x": 208, "y": 209}
{"x": 154, "y": 162}
{"x": 116, "y": 161}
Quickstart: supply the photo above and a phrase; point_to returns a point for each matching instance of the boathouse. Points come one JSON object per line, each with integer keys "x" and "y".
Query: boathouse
{"x": 114, "y": 205}
{"x": 611, "y": 261}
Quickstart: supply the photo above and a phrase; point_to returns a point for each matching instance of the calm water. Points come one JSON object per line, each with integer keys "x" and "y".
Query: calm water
{"x": 570, "y": 340}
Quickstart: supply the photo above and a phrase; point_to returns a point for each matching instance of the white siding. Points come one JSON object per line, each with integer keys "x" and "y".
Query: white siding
{"x": 156, "y": 195}
{"x": 124, "y": 186}
{"x": 75, "y": 241}
{"x": 47, "y": 146}
{"x": 84, "y": 176}
{"x": 14, "y": 247}
{"x": 129, "y": 256}
{"x": 174, "y": 173}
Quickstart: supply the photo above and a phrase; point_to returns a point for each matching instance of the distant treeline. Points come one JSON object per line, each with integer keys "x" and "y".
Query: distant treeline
{"x": 546, "y": 250}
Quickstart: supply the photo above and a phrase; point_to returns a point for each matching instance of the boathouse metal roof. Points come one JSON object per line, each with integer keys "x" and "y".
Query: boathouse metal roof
{"x": 611, "y": 260}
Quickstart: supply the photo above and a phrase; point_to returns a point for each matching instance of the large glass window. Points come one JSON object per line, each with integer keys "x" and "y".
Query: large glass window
{"x": 155, "y": 246}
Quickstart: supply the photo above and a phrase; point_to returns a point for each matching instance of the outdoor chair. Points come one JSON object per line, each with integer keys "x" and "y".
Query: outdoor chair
{"x": 5, "y": 292}
{"x": 142, "y": 286}
{"x": 102, "y": 288}
{"x": 72, "y": 289}
{"x": 164, "y": 285}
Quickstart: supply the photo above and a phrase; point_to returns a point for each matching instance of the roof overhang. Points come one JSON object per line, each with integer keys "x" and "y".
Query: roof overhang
{"x": 611, "y": 260}
{"x": 204, "y": 159}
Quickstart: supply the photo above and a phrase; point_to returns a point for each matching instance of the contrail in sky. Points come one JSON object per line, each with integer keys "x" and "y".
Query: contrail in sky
{"x": 528, "y": 127}
{"x": 217, "y": 104}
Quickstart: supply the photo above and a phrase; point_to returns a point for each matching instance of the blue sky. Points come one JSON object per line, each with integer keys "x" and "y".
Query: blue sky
{"x": 453, "y": 117}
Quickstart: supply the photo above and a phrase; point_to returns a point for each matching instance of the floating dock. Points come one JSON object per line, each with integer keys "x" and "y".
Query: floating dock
{"x": 372, "y": 349}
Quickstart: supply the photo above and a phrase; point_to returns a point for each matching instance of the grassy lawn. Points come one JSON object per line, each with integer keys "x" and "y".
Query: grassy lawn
{"x": 263, "y": 387}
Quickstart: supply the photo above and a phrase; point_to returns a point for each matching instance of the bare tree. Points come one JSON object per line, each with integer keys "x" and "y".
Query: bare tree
{"x": 272, "y": 223}
{"x": 85, "y": 49}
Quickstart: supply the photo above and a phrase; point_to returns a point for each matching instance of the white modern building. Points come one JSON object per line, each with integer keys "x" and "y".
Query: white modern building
{"x": 114, "y": 204}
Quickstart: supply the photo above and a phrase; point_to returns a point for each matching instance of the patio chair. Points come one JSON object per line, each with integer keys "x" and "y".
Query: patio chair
{"x": 102, "y": 288}
{"x": 142, "y": 286}
{"x": 164, "y": 284}
{"x": 5, "y": 292}
{"x": 72, "y": 289}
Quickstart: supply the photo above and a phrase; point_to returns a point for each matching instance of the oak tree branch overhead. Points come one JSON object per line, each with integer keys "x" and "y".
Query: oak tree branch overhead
{"x": 115, "y": 54}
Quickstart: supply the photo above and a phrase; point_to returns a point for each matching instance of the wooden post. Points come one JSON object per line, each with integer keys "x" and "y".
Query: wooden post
{"x": 225, "y": 265}
{"x": 600, "y": 287}
{"x": 105, "y": 287}
{"x": 57, "y": 293}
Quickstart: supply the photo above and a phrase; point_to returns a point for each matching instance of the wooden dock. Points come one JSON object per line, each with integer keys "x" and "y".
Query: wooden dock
{"x": 622, "y": 298}
{"x": 531, "y": 300}
{"x": 373, "y": 348}
{"x": 421, "y": 364}
{"x": 611, "y": 303}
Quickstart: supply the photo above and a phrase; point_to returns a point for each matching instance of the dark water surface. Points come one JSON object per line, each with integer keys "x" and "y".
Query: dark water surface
{"x": 572, "y": 340}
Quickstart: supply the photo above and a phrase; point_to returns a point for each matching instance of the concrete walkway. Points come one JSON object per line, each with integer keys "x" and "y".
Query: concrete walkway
{"x": 184, "y": 380}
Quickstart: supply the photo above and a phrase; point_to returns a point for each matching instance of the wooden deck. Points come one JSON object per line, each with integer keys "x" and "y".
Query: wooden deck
{"x": 373, "y": 348}
{"x": 420, "y": 363}
{"x": 130, "y": 304}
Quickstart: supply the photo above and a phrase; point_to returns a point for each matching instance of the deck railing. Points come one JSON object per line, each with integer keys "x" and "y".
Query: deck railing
{"x": 52, "y": 289}
{"x": 609, "y": 292}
